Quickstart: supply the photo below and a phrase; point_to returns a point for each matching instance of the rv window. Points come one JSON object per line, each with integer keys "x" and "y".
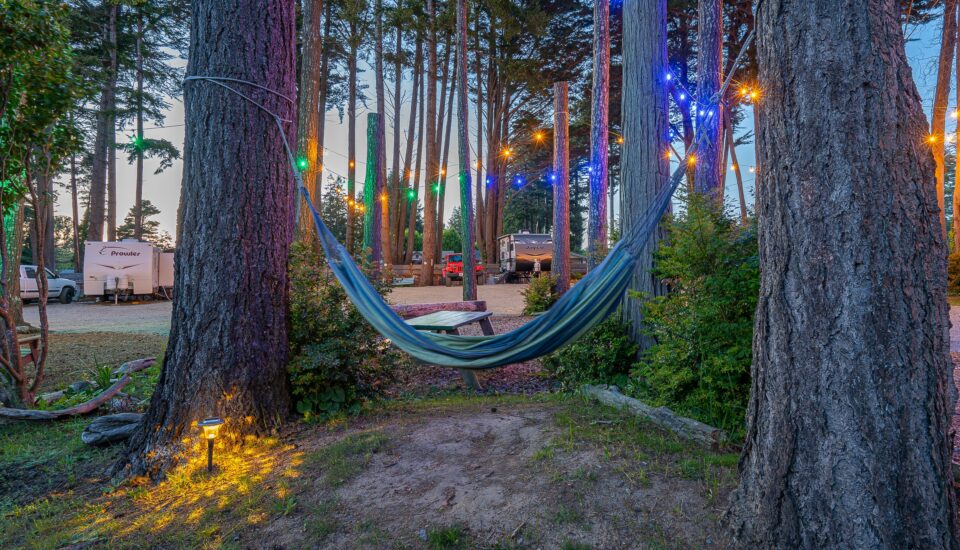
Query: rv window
{"x": 31, "y": 272}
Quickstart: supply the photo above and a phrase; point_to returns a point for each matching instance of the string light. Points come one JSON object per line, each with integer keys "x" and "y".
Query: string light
{"x": 932, "y": 138}
{"x": 352, "y": 164}
{"x": 383, "y": 197}
{"x": 443, "y": 171}
{"x": 538, "y": 136}
{"x": 955, "y": 114}
{"x": 620, "y": 140}
{"x": 733, "y": 166}
{"x": 752, "y": 169}
{"x": 668, "y": 154}
{"x": 411, "y": 194}
{"x": 692, "y": 159}
{"x": 507, "y": 152}
{"x": 302, "y": 163}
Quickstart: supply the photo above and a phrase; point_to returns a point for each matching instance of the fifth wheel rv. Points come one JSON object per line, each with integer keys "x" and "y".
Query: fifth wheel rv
{"x": 126, "y": 269}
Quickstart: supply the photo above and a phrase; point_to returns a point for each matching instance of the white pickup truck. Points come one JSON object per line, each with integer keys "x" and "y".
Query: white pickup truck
{"x": 57, "y": 287}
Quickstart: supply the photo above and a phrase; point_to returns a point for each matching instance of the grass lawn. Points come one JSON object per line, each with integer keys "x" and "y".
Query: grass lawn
{"x": 451, "y": 471}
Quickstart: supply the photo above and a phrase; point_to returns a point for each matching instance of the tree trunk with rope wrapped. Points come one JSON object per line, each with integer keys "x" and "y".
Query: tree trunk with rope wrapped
{"x": 645, "y": 164}
{"x": 227, "y": 353}
{"x": 848, "y": 441}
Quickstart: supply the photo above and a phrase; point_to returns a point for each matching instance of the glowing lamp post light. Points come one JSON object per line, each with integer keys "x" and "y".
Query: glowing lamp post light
{"x": 210, "y": 427}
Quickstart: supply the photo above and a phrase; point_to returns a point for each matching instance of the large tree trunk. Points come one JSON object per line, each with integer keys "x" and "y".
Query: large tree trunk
{"x": 709, "y": 163}
{"x": 463, "y": 145}
{"x": 429, "y": 193}
{"x": 352, "y": 207}
{"x": 560, "y": 266}
{"x": 644, "y": 162}
{"x": 938, "y": 122}
{"x": 372, "y": 221}
{"x": 847, "y": 428}
{"x": 956, "y": 178}
{"x": 228, "y": 350}
{"x": 478, "y": 200}
{"x": 599, "y": 138}
{"x": 308, "y": 127}
{"x": 396, "y": 195}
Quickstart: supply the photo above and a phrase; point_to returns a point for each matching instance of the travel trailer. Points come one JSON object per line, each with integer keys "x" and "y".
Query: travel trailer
{"x": 126, "y": 269}
{"x": 519, "y": 253}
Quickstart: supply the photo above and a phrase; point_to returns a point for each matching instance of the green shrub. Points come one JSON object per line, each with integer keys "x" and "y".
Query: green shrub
{"x": 604, "y": 355}
{"x": 703, "y": 329}
{"x": 539, "y": 296}
{"x": 338, "y": 361}
{"x": 953, "y": 273}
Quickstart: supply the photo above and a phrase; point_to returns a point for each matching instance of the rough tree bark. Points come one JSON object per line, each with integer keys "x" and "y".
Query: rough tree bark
{"x": 396, "y": 194}
{"x": 560, "y": 266}
{"x": 412, "y": 219}
{"x": 429, "y": 195}
{"x": 599, "y": 134}
{"x": 938, "y": 122}
{"x": 228, "y": 350}
{"x": 463, "y": 144}
{"x": 956, "y": 196}
{"x": 445, "y": 155}
{"x": 308, "y": 116}
{"x": 847, "y": 440}
{"x": 408, "y": 199}
{"x": 322, "y": 103}
{"x": 709, "y": 163}
{"x": 644, "y": 162}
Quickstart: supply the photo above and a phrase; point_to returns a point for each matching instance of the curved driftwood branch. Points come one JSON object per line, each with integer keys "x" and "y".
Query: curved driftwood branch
{"x": 661, "y": 416}
{"x": 83, "y": 408}
{"x": 111, "y": 428}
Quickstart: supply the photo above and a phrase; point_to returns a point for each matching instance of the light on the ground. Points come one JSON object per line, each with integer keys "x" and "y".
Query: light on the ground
{"x": 210, "y": 428}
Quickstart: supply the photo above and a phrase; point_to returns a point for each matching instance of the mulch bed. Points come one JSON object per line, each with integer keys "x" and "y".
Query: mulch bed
{"x": 519, "y": 378}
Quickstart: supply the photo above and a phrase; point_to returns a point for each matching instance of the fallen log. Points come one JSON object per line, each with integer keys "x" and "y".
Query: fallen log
{"x": 111, "y": 428}
{"x": 83, "y": 408}
{"x": 686, "y": 428}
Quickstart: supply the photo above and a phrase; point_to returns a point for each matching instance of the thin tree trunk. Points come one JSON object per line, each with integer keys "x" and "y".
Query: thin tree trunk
{"x": 112, "y": 178}
{"x": 371, "y": 213}
{"x": 98, "y": 178}
{"x": 736, "y": 169}
{"x": 382, "y": 203}
{"x": 478, "y": 201}
{"x": 407, "y": 199}
{"x": 599, "y": 135}
{"x": 429, "y": 195}
{"x": 228, "y": 351}
{"x": 463, "y": 145}
{"x": 138, "y": 141}
{"x": 709, "y": 68}
{"x": 847, "y": 441}
{"x": 317, "y": 190}
{"x": 412, "y": 219}
{"x": 351, "y": 137}
{"x": 938, "y": 122}
{"x": 560, "y": 265}
{"x": 396, "y": 194}
{"x": 77, "y": 260}
{"x": 645, "y": 166}
{"x": 308, "y": 116}
{"x": 442, "y": 180}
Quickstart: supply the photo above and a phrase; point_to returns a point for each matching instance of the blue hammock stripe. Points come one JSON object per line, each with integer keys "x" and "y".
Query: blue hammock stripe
{"x": 586, "y": 304}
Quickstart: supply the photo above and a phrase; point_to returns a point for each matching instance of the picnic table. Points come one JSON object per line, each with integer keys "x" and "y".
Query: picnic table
{"x": 449, "y": 322}
{"x": 31, "y": 344}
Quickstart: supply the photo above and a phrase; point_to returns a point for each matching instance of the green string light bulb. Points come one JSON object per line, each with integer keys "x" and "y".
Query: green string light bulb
{"x": 302, "y": 163}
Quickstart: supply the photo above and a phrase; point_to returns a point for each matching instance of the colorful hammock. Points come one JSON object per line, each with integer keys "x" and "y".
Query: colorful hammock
{"x": 586, "y": 304}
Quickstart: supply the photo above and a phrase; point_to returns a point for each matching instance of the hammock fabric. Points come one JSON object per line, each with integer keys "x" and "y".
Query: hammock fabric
{"x": 586, "y": 304}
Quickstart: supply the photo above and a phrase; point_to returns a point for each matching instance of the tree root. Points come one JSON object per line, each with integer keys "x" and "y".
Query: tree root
{"x": 83, "y": 408}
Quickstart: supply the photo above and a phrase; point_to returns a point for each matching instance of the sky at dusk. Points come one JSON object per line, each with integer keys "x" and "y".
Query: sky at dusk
{"x": 163, "y": 190}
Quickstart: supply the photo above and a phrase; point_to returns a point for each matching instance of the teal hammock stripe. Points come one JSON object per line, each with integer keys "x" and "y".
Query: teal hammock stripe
{"x": 585, "y": 305}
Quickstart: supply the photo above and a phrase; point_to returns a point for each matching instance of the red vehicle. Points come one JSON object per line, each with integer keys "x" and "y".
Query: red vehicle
{"x": 453, "y": 268}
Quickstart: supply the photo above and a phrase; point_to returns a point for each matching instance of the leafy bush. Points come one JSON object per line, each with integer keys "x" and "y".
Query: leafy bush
{"x": 703, "y": 329}
{"x": 953, "y": 273}
{"x": 338, "y": 360}
{"x": 539, "y": 296}
{"x": 604, "y": 355}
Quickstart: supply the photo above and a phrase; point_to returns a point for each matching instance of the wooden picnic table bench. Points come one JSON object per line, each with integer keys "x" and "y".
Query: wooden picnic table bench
{"x": 449, "y": 322}
{"x": 30, "y": 342}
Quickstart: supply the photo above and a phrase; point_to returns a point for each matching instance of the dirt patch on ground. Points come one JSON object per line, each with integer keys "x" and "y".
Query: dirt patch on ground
{"x": 452, "y": 472}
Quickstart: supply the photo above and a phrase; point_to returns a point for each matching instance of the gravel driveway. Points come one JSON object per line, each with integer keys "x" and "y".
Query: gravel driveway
{"x": 149, "y": 318}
